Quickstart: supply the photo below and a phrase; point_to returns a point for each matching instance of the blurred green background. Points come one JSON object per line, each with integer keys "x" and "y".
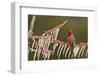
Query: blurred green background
{"x": 79, "y": 25}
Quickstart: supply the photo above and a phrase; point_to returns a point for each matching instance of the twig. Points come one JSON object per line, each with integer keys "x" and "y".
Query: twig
{"x": 31, "y": 27}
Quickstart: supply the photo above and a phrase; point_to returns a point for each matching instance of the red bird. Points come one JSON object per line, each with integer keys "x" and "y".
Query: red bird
{"x": 70, "y": 38}
{"x": 71, "y": 41}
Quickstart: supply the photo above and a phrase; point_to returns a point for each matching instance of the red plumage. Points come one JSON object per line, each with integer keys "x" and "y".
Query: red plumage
{"x": 70, "y": 38}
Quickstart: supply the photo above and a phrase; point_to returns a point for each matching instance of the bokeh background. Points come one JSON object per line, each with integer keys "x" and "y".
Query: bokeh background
{"x": 79, "y": 25}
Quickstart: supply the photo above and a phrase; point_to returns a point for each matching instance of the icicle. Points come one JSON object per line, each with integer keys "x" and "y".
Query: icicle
{"x": 83, "y": 50}
{"x": 64, "y": 48}
{"x": 38, "y": 53}
{"x": 69, "y": 54}
{"x": 33, "y": 44}
{"x": 80, "y": 51}
{"x": 86, "y": 53}
{"x": 75, "y": 50}
{"x": 54, "y": 47}
{"x": 47, "y": 41}
{"x": 60, "y": 51}
{"x": 49, "y": 55}
{"x": 67, "y": 51}
{"x": 35, "y": 53}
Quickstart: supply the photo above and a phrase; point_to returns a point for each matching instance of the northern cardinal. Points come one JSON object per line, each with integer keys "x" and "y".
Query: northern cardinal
{"x": 71, "y": 41}
{"x": 70, "y": 38}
